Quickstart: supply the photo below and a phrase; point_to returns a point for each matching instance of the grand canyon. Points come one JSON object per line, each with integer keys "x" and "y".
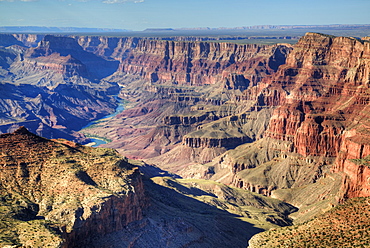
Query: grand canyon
{"x": 218, "y": 144}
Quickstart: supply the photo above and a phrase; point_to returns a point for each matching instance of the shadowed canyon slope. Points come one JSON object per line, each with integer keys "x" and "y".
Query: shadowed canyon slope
{"x": 343, "y": 226}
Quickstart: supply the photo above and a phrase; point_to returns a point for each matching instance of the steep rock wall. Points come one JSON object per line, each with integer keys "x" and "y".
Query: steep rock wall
{"x": 190, "y": 63}
{"x": 200, "y": 63}
{"x": 322, "y": 96}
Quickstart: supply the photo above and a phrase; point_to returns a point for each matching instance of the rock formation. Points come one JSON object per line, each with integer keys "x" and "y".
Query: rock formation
{"x": 57, "y": 193}
{"x": 180, "y": 86}
{"x": 307, "y": 120}
{"x": 190, "y": 63}
{"x": 321, "y": 96}
{"x": 303, "y": 95}
{"x": 80, "y": 192}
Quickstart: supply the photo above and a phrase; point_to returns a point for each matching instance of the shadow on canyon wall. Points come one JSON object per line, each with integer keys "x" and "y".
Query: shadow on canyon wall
{"x": 176, "y": 220}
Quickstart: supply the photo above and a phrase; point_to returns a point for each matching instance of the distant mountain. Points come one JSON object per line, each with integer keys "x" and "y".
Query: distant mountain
{"x": 36, "y": 29}
{"x": 158, "y": 29}
{"x": 331, "y": 26}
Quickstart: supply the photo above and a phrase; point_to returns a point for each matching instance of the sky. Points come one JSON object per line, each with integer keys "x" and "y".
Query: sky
{"x": 142, "y": 14}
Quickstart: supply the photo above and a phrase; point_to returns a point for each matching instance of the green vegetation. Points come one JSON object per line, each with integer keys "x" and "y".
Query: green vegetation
{"x": 362, "y": 161}
{"x": 51, "y": 184}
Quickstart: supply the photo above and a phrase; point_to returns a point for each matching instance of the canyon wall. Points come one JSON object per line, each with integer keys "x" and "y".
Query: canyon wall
{"x": 321, "y": 97}
{"x": 287, "y": 122}
{"x": 312, "y": 97}
{"x": 190, "y": 63}
{"x": 318, "y": 124}
{"x": 81, "y": 63}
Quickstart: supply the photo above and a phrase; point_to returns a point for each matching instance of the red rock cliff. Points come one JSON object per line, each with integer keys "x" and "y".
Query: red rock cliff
{"x": 322, "y": 94}
{"x": 190, "y": 63}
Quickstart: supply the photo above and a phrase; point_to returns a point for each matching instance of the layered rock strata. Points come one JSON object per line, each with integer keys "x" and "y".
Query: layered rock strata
{"x": 316, "y": 99}
{"x": 320, "y": 94}
{"x": 196, "y": 83}
{"x": 190, "y": 63}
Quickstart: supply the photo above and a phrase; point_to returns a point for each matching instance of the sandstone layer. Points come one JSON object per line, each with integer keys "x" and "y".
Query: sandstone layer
{"x": 290, "y": 122}
{"x": 190, "y": 63}
{"x": 321, "y": 93}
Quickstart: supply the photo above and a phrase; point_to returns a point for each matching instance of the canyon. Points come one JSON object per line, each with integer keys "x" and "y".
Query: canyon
{"x": 222, "y": 124}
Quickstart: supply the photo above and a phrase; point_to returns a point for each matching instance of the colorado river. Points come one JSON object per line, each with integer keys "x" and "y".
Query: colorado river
{"x": 96, "y": 141}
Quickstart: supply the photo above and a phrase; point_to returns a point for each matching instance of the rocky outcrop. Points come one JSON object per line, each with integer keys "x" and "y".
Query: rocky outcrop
{"x": 187, "y": 120}
{"x": 85, "y": 192}
{"x": 8, "y": 40}
{"x": 63, "y": 65}
{"x": 29, "y": 40}
{"x": 353, "y": 160}
{"x": 227, "y": 142}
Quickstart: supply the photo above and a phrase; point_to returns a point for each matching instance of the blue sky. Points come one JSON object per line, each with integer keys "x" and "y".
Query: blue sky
{"x": 142, "y": 14}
